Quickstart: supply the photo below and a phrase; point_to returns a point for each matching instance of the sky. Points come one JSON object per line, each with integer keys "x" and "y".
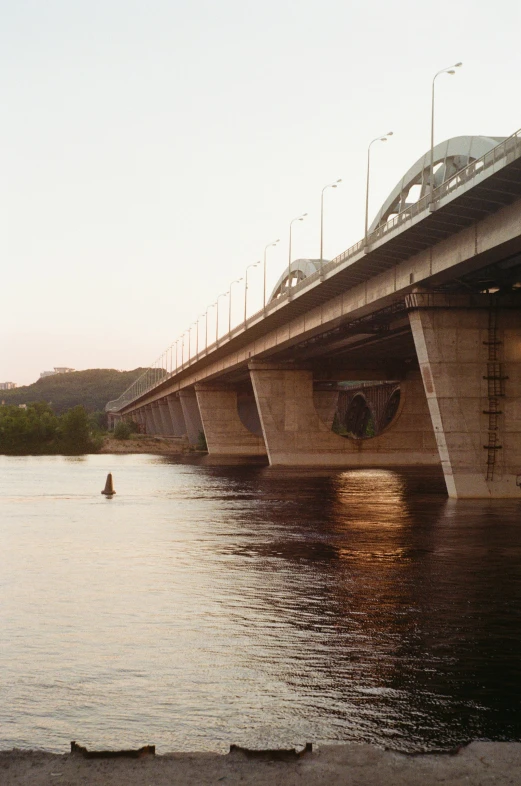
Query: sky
{"x": 150, "y": 149}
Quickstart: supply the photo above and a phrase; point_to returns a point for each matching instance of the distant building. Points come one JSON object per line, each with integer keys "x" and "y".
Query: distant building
{"x": 57, "y": 370}
{"x": 7, "y": 385}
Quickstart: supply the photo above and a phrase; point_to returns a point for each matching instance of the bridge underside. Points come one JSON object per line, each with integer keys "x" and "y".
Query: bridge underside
{"x": 453, "y": 357}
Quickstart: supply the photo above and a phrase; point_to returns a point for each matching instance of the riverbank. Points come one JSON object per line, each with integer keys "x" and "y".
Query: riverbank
{"x": 478, "y": 764}
{"x": 161, "y": 446}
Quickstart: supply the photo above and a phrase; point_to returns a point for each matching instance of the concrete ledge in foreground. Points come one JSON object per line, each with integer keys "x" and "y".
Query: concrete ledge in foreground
{"x": 479, "y": 764}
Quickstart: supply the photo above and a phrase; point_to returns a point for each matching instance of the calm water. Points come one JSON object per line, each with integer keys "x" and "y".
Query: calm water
{"x": 207, "y": 605}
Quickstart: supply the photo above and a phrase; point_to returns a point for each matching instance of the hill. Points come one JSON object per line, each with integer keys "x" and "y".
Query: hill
{"x": 92, "y": 388}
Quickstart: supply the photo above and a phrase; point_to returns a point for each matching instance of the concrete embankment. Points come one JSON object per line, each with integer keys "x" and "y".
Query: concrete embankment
{"x": 478, "y": 764}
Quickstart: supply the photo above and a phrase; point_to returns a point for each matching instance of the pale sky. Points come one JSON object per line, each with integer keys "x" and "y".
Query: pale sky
{"x": 151, "y": 149}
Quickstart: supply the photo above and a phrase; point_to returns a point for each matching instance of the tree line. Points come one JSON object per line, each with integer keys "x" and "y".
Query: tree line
{"x": 37, "y": 430}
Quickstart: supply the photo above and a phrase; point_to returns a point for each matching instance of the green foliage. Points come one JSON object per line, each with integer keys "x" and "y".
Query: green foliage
{"x": 99, "y": 421}
{"x": 201, "y": 441}
{"x": 36, "y": 430}
{"x": 122, "y": 430}
{"x": 74, "y": 431}
{"x": 92, "y": 389}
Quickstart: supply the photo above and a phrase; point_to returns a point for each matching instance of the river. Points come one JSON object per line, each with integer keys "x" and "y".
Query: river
{"x": 205, "y": 605}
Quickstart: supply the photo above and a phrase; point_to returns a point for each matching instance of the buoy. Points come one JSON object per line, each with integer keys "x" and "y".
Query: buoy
{"x": 109, "y": 488}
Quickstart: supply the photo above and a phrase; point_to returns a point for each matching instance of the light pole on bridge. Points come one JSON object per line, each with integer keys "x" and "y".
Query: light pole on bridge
{"x": 298, "y": 218}
{"x": 223, "y": 294}
{"x": 270, "y": 245}
{"x": 236, "y": 281}
{"x": 329, "y": 185}
{"x": 246, "y": 288}
{"x": 383, "y": 138}
{"x": 451, "y": 71}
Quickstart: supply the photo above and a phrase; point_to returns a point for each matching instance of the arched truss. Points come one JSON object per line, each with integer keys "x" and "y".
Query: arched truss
{"x": 300, "y": 269}
{"x": 449, "y": 157}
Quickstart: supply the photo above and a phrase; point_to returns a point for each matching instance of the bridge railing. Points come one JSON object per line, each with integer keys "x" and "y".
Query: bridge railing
{"x": 160, "y": 371}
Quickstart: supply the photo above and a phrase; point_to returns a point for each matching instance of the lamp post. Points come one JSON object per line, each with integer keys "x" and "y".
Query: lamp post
{"x": 383, "y": 138}
{"x": 176, "y": 343}
{"x": 298, "y": 218}
{"x": 270, "y": 245}
{"x": 330, "y": 185}
{"x": 223, "y": 294}
{"x": 236, "y": 281}
{"x": 246, "y": 287}
{"x": 206, "y": 328}
{"x": 449, "y": 70}
{"x": 197, "y": 334}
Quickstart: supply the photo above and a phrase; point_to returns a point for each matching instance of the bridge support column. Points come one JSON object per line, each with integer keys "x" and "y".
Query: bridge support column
{"x": 166, "y": 420}
{"x": 176, "y": 415}
{"x": 469, "y": 349}
{"x": 156, "y": 418}
{"x": 150, "y": 425}
{"x": 138, "y": 417}
{"x": 191, "y": 415}
{"x": 296, "y": 435}
{"x": 223, "y": 428}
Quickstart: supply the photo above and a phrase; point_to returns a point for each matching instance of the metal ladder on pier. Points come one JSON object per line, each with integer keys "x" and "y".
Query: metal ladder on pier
{"x": 496, "y": 389}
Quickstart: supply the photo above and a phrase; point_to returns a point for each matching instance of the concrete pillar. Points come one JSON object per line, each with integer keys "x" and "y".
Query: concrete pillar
{"x": 150, "y": 425}
{"x": 296, "y": 435}
{"x": 470, "y": 358}
{"x": 176, "y": 415}
{"x": 191, "y": 415}
{"x": 156, "y": 415}
{"x": 224, "y": 431}
{"x": 112, "y": 419}
{"x": 142, "y": 420}
{"x": 166, "y": 420}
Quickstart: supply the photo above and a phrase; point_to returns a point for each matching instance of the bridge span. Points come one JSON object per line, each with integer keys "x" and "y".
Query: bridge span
{"x": 403, "y": 350}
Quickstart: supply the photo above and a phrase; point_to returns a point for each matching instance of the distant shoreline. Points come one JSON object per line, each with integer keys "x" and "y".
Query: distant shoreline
{"x": 160, "y": 446}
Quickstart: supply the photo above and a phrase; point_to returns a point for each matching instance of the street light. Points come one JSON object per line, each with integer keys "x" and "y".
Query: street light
{"x": 206, "y": 327}
{"x": 223, "y": 294}
{"x": 270, "y": 245}
{"x": 246, "y": 287}
{"x": 236, "y": 281}
{"x": 298, "y": 218}
{"x": 383, "y": 138}
{"x": 330, "y": 185}
{"x": 449, "y": 70}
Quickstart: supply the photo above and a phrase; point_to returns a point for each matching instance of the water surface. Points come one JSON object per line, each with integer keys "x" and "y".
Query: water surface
{"x": 206, "y": 605}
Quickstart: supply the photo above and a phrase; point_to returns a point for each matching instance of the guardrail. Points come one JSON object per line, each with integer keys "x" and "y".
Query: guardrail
{"x": 163, "y": 368}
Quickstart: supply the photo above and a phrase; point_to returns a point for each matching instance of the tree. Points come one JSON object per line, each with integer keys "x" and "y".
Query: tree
{"x": 74, "y": 431}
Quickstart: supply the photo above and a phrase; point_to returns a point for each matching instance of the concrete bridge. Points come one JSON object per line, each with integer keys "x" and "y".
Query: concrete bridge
{"x": 403, "y": 350}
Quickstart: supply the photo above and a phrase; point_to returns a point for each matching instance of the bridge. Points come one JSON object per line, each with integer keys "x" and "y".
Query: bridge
{"x": 403, "y": 350}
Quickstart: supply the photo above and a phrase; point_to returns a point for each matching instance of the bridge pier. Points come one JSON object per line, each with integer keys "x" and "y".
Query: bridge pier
{"x": 296, "y": 435}
{"x": 469, "y": 349}
{"x": 139, "y": 417}
{"x": 166, "y": 420}
{"x": 156, "y": 417}
{"x": 150, "y": 425}
{"x": 224, "y": 430}
{"x": 176, "y": 415}
{"x": 191, "y": 415}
